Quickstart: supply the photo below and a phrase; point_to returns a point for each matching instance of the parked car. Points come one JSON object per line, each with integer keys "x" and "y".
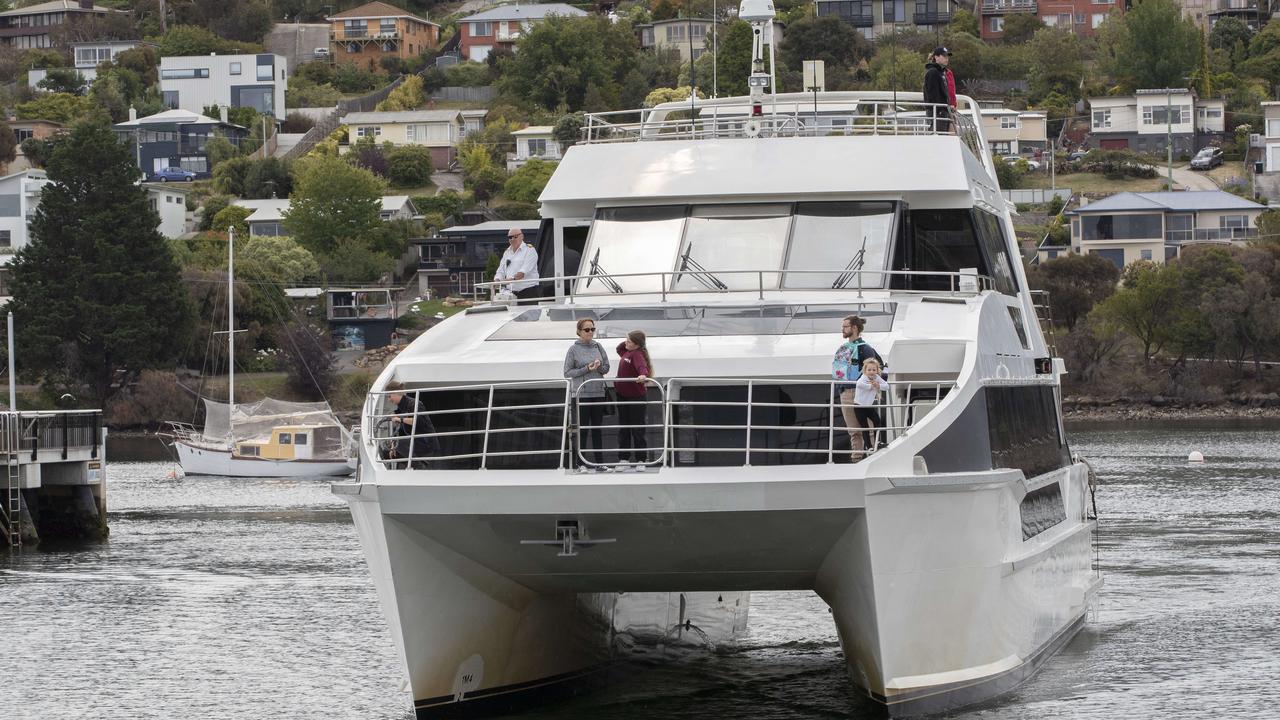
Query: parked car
{"x": 172, "y": 173}
{"x": 1207, "y": 158}
{"x": 1013, "y": 160}
{"x": 1077, "y": 156}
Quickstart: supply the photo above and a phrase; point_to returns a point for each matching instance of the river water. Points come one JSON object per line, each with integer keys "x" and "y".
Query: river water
{"x": 250, "y": 599}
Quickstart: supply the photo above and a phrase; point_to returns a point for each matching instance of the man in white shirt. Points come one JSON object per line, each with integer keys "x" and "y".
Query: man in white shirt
{"x": 519, "y": 267}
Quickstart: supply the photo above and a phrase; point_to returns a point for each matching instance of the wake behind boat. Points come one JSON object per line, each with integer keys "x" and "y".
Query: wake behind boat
{"x": 737, "y": 233}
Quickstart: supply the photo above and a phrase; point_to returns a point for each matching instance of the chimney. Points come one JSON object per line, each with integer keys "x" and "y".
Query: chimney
{"x": 222, "y": 113}
{"x": 133, "y": 113}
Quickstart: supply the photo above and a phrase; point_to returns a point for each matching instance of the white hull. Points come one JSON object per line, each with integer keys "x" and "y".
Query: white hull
{"x": 932, "y": 614}
{"x": 197, "y": 460}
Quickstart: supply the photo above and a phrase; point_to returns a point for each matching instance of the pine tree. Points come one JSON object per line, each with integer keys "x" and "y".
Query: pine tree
{"x": 97, "y": 296}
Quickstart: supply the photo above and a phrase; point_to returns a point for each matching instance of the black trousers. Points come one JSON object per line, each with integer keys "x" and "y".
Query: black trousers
{"x": 529, "y": 293}
{"x": 631, "y": 411}
{"x": 869, "y": 417}
{"x": 591, "y": 422}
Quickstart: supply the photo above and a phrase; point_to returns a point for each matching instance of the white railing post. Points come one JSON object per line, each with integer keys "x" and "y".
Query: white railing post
{"x": 564, "y": 427}
{"x": 750, "y": 399}
{"x": 831, "y": 422}
{"x": 484, "y": 448}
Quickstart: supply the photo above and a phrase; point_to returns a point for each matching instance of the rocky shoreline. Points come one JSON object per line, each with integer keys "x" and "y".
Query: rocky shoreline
{"x": 1265, "y": 406}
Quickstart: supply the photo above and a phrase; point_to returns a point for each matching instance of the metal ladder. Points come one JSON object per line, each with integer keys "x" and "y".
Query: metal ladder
{"x": 1044, "y": 313}
{"x": 11, "y": 512}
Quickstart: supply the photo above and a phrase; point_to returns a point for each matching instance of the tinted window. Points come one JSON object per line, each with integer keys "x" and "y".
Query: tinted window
{"x": 991, "y": 232}
{"x": 1121, "y": 227}
{"x": 1022, "y": 423}
{"x": 940, "y": 241}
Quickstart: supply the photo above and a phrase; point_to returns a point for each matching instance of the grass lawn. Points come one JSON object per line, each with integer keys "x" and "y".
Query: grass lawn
{"x": 1092, "y": 182}
{"x": 1229, "y": 171}
{"x": 428, "y": 189}
{"x": 428, "y": 308}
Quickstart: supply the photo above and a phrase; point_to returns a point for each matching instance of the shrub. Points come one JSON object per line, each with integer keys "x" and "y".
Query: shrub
{"x": 153, "y": 399}
{"x": 296, "y": 122}
{"x": 409, "y": 166}
{"x": 468, "y": 74}
{"x": 212, "y": 207}
{"x": 232, "y": 216}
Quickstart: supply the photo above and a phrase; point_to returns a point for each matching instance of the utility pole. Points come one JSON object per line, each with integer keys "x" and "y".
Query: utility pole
{"x": 1168, "y": 116}
{"x": 164, "y": 18}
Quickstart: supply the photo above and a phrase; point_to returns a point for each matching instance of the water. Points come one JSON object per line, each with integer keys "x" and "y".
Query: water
{"x": 250, "y": 599}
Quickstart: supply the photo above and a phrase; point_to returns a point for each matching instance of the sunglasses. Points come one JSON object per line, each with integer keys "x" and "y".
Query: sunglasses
{"x": 590, "y": 329}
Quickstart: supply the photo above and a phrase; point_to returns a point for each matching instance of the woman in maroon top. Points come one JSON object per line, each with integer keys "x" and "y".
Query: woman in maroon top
{"x": 634, "y": 368}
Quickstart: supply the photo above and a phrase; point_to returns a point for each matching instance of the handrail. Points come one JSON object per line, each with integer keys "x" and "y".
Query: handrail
{"x": 956, "y": 281}
{"x": 900, "y": 412}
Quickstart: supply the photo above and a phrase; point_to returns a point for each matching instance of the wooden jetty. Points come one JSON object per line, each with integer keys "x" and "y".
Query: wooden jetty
{"x": 54, "y": 483}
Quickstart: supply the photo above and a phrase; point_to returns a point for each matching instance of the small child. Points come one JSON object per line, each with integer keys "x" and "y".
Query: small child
{"x": 865, "y": 394}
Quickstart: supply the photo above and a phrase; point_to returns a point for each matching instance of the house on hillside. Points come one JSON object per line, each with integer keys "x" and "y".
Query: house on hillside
{"x": 873, "y": 18}
{"x": 1142, "y": 122}
{"x": 170, "y": 203}
{"x": 438, "y": 130}
{"x": 175, "y": 138}
{"x": 195, "y": 82}
{"x": 1081, "y": 17}
{"x": 365, "y": 35}
{"x": 690, "y": 37}
{"x": 1011, "y": 132}
{"x": 26, "y": 130}
{"x": 267, "y": 219}
{"x": 473, "y": 120}
{"x": 1155, "y": 226}
{"x": 454, "y": 261}
{"x": 535, "y": 141}
{"x": 41, "y": 25}
{"x": 501, "y": 27}
{"x": 1271, "y": 137}
{"x": 19, "y": 198}
{"x": 86, "y": 56}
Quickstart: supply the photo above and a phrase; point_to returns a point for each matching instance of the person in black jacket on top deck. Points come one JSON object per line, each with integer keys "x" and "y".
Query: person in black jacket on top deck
{"x": 937, "y": 88}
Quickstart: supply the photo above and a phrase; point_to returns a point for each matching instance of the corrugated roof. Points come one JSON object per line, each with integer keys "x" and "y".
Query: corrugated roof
{"x": 524, "y": 12}
{"x": 401, "y": 116}
{"x": 377, "y": 10}
{"x": 1185, "y": 201}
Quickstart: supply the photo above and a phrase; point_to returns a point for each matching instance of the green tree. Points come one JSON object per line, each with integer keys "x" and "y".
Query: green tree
{"x": 1269, "y": 226}
{"x": 826, "y": 38}
{"x": 61, "y": 108}
{"x": 219, "y": 149}
{"x": 37, "y": 151}
{"x": 352, "y": 260}
{"x": 1145, "y": 306}
{"x": 665, "y": 10}
{"x": 1076, "y": 283}
{"x": 63, "y": 80}
{"x": 562, "y": 56}
{"x": 1202, "y": 77}
{"x": 964, "y": 21}
{"x": 898, "y": 68}
{"x": 334, "y": 205}
{"x": 1056, "y": 63}
{"x": 305, "y": 93}
{"x": 479, "y": 172}
{"x": 568, "y": 129}
{"x": 232, "y": 216}
{"x": 96, "y": 293}
{"x": 8, "y": 144}
{"x": 527, "y": 182}
{"x": 409, "y": 95}
{"x": 1157, "y": 47}
{"x": 290, "y": 262}
{"x": 734, "y": 58}
{"x": 409, "y": 166}
{"x": 193, "y": 40}
{"x": 1021, "y": 27}
{"x": 212, "y": 206}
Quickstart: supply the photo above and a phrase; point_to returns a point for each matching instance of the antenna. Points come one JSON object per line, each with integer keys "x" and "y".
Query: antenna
{"x": 760, "y": 14}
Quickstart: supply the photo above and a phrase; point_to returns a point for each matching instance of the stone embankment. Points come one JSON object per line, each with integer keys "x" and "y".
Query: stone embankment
{"x": 1263, "y": 406}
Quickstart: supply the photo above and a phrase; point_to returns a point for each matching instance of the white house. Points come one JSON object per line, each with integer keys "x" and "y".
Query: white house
{"x": 87, "y": 56}
{"x": 267, "y": 219}
{"x": 19, "y": 198}
{"x": 439, "y": 131}
{"x": 170, "y": 203}
{"x": 197, "y": 81}
{"x": 1271, "y": 136}
{"x": 1010, "y": 132}
{"x": 1144, "y": 121}
{"x": 535, "y": 141}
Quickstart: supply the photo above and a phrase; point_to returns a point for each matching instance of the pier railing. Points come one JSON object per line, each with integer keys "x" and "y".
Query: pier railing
{"x": 58, "y": 430}
{"x": 686, "y": 422}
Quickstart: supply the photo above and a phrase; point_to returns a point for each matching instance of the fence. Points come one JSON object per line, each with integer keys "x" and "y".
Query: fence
{"x": 330, "y": 122}
{"x": 457, "y": 93}
{"x": 1037, "y": 196}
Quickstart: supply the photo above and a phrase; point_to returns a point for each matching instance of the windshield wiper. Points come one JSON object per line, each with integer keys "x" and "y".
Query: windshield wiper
{"x": 599, "y": 272}
{"x": 852, "y": 269}
{"x": 705, "y": 277}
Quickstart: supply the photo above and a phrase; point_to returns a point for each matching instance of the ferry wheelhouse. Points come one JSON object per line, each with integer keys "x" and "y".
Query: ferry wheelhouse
{"x": 737, "y": 233}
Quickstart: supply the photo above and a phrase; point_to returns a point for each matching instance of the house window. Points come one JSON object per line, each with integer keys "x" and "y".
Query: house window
{"x": 369, "y": 131}
{"x": 997, "y": 24}
{"x": 1064, "y": 19}
{"x": 266, "y": 72}
{"x": 91, "y": 57}
{"x": 1273, "y": 127}
{"x": 235, "y": 68}
{"x": 411, "y": 133}
{"x": 299, "y": 438}
{"x": 6, "y": 238}
{"x": 286, "y": 438}
{"x": 353, "y": 47}
{"x": 1164, "y": 115}
{"x": 697, "y": 52}
{"x": 895, "y": 11}
{"x": 1233, "y": 222}
{"x": 481, "y": 29}
{"x": 1146, "y": 254}
{"x": 675, "y": 32}
{"x": 1080, "y": 19}
{"x": 537, "y": 147}
{"x": 1001, "y": 148}
{"x": 387, "y": 26}
{"x": 1101, "y": 119}
{"x": 698, "y": 32}
{"x": 1122, "y": 227}
{"x": 355, "y": 28}
{"x": 171, "y": 99}
{"x": 1009, "y": 122}
{"x": 184, "y": 74}
{"x": 1098, "y": 19}
{"x": 23, "y": 134}
{"x": 196, "y": 164}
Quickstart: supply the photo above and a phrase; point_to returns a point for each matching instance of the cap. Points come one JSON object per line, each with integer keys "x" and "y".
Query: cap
{"x": 941, "y": 51}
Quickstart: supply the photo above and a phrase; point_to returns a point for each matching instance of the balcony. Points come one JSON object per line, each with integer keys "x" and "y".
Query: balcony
{"x": 1227, "y": 7}
{"x": 1209, "y": 235}
{"x": 1003, "y": 7}
{"x": 507, "y": 36}
{"x": 362, "y": 35}
{"x": 932, "y": 14}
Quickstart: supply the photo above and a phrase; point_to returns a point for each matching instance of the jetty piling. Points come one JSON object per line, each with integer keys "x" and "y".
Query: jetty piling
{"x": 54, "y": 483}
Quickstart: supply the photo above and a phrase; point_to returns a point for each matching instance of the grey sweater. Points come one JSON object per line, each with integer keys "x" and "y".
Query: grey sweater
{"x": 575, "y": 368}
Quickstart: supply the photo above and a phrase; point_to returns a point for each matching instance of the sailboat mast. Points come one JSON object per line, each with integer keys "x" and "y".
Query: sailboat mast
{"x": 231, "y": 316}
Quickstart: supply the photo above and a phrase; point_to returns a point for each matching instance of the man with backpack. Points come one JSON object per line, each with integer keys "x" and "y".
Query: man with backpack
{"x": 846, "y": 368}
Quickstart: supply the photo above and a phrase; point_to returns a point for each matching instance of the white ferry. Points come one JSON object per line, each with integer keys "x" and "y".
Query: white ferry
{"x": 737, "y": 233}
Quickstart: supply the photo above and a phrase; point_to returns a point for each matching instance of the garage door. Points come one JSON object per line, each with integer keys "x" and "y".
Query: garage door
{"x": 1114, "y": 144}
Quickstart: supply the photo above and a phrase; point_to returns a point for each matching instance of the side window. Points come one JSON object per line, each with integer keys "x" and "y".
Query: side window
{"x": 991, "y": 233}
{"x": 939, "y": 241}
{"x": 286, "y": 439}
{"x": 299, "y": 438}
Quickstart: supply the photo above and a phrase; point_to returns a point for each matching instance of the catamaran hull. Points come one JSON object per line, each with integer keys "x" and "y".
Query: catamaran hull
{"x": 938, "y": 599}
{"x": 204, "y": 461}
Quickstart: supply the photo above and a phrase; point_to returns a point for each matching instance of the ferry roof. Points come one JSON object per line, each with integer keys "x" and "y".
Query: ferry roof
{"x": 752, "y": 169}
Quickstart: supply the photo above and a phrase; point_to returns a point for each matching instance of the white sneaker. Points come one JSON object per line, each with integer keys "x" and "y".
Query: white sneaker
{"x": 624, "y": 468}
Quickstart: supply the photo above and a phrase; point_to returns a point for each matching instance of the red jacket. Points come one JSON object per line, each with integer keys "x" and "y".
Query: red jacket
{"x": 951, "y": 88}
{"x": 631, "y": 365}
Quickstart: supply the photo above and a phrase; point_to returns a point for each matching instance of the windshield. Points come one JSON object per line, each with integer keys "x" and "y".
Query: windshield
{"x": 810, "y": 245}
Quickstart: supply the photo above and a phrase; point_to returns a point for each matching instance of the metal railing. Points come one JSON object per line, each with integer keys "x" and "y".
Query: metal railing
{"x": 711, "y": 281}
{"x": 682, "y": 434}
{"x": 1009, "y": 6}
{"x": 793, "y": 115}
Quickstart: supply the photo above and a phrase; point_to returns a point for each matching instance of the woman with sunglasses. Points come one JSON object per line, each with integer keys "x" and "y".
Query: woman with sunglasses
{"x": 587, "y": 360}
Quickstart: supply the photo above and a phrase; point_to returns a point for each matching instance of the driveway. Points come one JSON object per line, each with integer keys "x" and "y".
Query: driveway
{"x": 1189, "y": 179}
{"x": 447, "y": 181}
